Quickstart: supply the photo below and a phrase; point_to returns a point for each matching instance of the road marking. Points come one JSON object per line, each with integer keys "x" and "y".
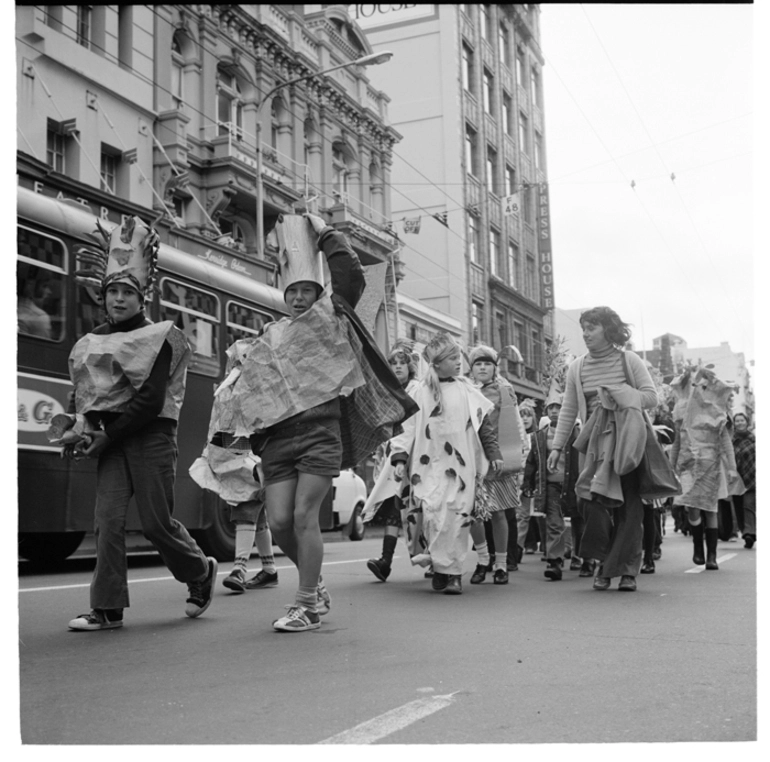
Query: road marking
{"x": 699, "y": 569}
{"x": 396, "y": 719}
{"x": 164, "y": 579}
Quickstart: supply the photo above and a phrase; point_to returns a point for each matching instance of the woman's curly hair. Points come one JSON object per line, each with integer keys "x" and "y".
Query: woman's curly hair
{"x": 615, "y": 330}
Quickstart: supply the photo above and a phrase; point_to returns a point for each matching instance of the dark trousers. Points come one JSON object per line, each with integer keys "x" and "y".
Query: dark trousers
{"x": 143, "y": 466}
{"x": 746, "y": 512}
{"x": 613, "y": 536}
{"x": 652, "y": 531}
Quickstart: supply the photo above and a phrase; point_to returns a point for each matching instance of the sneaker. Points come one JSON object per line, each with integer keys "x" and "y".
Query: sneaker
{"x": 575, "y": 563}
{"x": 512, "y": 566}
{"x": 236, "y": 580}
{"x": 262, "y": 579}
{"x": 202, "y": 593}
{"x": 324, "y": 601}
{"x": 588, "y": 568}
{"x": 500, "y": 577}
{"x": 479, "y": 575}
{"x": 379, "y": 567}
{"x": 298, "y": 619}
{"x": 553, "y": 572}
{"x": 98, "y": 619}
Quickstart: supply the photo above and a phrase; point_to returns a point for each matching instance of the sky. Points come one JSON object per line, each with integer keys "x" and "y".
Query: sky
{"x": 634, "y": 94}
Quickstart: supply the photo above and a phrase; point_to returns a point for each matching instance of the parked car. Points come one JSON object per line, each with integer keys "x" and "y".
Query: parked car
{"x": 348, "y": 498}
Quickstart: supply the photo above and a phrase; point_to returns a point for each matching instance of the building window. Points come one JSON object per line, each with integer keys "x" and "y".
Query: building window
{"x": 534, "y": 86}
{"x": 520, "y": 68}
{"x": 339, "y": 172}
{"x": 53, "y": 14}
{"x": 471, "y": 154}
{"x": 492, "y": 184}
{"x": 489, "y": 92}
{"x": 84, "y": 24}
{"x": 473, "y": 238}
{"x": 229, "y": 106}
{"x": 529, "y": 280}
{"x": 55, "y": 149}
{"x": 110, "y": 164}
{"x": 508, "y": 123}
{"x": 537, "y": 350}
{"x": 274, "y": 123}
{"x": 504, "y": 45}
{"x": 177, "y": 74}
{"x": 477, "y": 323}
{"x": 523, "y": 126}
{"x": 538, "y": 151}
{"x": 494, "y": 252}
{"x": 526, "y": 203}
{"x": 520, "y": 338}
{"x": 467, "y": 72}
{"x": 510, "y": 180}
{"x": 234, "y": 231}
{"x": 502, "y": 329}
{"x": 486, "y": 22}
{"x": 513, "y": 265}
{"x": 125, "y": 35}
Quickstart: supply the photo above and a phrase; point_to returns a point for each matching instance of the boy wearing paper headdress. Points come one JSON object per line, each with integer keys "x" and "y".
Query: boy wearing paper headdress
{"x": 129, "y": 376}
{"x": 314, "y": 394}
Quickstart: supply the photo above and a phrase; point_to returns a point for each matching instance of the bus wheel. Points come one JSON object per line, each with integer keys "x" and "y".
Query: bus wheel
{"x": 356, "y": 527}
{"x": 48, "y": 547}
{"x": 217, "y": 539}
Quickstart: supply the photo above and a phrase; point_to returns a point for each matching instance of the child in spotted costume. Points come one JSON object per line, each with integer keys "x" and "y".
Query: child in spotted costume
{"x": 447, "y": 445}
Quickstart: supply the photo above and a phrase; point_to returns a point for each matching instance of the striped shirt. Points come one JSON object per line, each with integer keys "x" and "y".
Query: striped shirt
{"x": 600, "y": 369}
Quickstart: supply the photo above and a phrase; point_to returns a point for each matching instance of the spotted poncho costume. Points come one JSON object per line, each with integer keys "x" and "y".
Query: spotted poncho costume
{"x": 445, "y": 454}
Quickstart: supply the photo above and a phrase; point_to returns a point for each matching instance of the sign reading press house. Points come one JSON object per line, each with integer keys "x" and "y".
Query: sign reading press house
{"x": 385, "y": 14}
{"x": 544, "y": 246}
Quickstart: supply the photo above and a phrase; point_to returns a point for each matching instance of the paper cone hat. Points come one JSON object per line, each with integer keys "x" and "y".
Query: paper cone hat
{"x": 298, "y": 255}
{"x": 555, "y": 395}
{"x": 132, "y": 256}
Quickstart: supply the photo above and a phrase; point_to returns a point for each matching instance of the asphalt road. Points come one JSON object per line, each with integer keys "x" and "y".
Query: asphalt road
{"x": 396, "y": 663}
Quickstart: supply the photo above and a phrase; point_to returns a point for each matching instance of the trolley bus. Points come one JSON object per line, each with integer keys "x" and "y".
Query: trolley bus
{"x": 210, "y": 298}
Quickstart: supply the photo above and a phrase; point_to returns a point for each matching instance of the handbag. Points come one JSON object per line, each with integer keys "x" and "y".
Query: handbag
{"x": 509, "y": 435}
{"x": 657, "y": 478}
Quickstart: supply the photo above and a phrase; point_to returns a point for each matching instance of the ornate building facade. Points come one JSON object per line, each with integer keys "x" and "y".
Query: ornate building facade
{"x": 156, "y": 111}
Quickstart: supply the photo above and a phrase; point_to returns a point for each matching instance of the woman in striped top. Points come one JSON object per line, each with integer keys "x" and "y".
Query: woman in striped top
{"x": 611, "y": 535}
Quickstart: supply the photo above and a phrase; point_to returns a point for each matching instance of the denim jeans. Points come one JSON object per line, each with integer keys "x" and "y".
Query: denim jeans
{"x": 142, "y": 465}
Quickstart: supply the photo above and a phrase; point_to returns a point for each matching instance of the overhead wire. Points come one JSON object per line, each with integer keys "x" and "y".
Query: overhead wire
{"x": 665, "y": 167}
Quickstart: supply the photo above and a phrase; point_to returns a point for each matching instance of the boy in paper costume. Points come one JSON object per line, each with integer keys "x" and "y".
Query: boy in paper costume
{"x": 314, "y": 394}
{"x": 129, "y": 376}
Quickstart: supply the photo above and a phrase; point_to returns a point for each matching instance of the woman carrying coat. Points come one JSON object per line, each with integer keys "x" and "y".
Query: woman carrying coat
{"x": 605, "y": 384}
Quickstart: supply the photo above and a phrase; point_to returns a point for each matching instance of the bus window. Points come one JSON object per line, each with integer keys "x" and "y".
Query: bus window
{"x": 244, "y": 322}
{"x": 40, "y": 285}
{"x": 196, "y": 313}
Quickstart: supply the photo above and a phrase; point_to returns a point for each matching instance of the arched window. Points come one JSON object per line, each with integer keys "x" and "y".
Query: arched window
{"x": 229, "y": 105}
{"x": 340, "y": 171}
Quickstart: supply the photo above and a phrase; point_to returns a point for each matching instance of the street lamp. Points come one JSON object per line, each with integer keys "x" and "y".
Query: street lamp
{"x": 371, "y": 60}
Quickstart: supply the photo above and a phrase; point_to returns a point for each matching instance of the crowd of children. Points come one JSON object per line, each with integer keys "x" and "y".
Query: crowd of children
{"x": 459, "y": 461}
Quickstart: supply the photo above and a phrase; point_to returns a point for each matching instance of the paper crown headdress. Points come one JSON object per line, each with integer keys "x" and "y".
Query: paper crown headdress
{"x": 298, "y": 255}
{"x": 128, "y": 254}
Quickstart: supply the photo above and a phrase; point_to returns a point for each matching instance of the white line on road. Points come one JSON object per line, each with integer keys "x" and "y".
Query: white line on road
{"x": 699, "y": 569}
{"x": 166, "y": 578}
{"x": 396, "y": 719}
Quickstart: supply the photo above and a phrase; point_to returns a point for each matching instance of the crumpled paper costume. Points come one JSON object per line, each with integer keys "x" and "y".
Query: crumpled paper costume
{"x": 228, "y": 473}
{"x": 703, "y": 451}
{"x": 108, "y": 369}
{"x": 293, "y": 366}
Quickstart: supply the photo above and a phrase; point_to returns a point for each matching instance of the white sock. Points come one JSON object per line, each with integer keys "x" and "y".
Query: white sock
{"x": 501, "y": 560}
{"x": 482, "y": 550}
{"x": 265, "y": 548}
{"x": 244, "y": 542}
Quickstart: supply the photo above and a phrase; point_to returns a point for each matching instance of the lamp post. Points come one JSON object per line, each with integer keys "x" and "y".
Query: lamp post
{"x": 370, "y": 60}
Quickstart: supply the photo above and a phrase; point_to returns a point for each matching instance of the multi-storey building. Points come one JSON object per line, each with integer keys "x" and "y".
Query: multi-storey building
{"x": 155, "y": 110}
{"x": 466, "y": 93}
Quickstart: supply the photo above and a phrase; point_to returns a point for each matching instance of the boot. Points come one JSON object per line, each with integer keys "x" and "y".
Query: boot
{"x": 697, "y": 544}
{"x": 553, "y": 572}
{"x": 712, "y": 535}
